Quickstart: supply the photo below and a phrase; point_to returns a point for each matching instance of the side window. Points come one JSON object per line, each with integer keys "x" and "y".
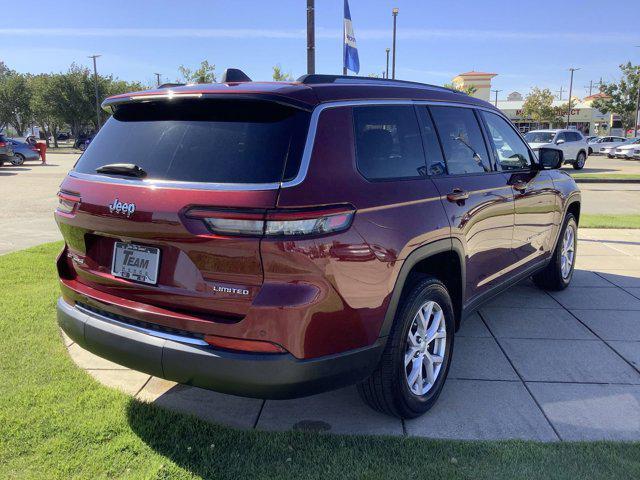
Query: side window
{"x": 510, "y": 149}
{"x": 388, "y": 143}
{"x": 561, "y": 136}
{"x": 462, "y": 141}
{"x": 435, "y": 160}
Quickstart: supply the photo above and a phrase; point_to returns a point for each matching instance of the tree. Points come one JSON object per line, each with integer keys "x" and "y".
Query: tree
{"x": 468, "y": 89}
{"x": 280, "y": 76}
{"x": 204, "y": 74}
{"x": 43, "y": 107}
{"x": 622, "y": 95}
{"x": 15, "y": 105}
{"x": 538, "y": 106}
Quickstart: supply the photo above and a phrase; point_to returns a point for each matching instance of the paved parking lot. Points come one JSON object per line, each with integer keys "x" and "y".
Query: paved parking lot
{"x": 528, "y": 365}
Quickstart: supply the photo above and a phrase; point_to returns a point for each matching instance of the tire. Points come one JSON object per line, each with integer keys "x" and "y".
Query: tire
{"x": 590, "y": 152}
{"x": 610, "y": 156}
{"x": 18, "y": 159}
{"x": 552, "y": 277}
{"x": 387, "y": 389}
{"x": 580, "y": 161}
{"x": 82, "y": 147}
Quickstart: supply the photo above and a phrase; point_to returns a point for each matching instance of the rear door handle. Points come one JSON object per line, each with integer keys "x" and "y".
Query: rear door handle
{"x": 520, "y": 185}
{"x": 457, "y": 195}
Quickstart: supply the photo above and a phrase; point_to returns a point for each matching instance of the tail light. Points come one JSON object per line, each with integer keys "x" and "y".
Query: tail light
{"x": 275, "y": 223}
{"x": 3, "y": 144}
{"x": 67, "y": 203}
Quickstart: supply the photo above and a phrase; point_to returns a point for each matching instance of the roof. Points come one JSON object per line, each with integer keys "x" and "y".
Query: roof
{"x": 596, "y": 96}
{"x": 305, "y": 95}
{"x": 473, "y": 73}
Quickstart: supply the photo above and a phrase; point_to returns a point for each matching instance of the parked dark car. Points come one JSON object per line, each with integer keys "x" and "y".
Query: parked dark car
{"x": 23, "y": 152}
{"x": 276, "y": 240}
{"x": 83, "y": 140}
{"x": 6, "y": 150}
{"x": 62, "y": 136}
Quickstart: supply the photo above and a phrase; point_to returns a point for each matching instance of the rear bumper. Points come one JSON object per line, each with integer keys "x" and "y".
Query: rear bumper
{"x": 245, "y": 374}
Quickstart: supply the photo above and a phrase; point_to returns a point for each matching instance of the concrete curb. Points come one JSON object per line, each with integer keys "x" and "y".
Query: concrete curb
{"x": 606, "y": 180}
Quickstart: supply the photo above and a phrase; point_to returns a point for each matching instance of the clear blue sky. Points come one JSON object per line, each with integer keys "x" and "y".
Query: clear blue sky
{"x": 528, "y": 43}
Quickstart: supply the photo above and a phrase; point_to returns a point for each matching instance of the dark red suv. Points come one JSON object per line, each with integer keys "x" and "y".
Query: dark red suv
{"x": 276, "y": 240}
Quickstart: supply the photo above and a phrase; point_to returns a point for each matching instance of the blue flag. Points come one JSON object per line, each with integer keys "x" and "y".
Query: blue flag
{"x": 351, "y": 60}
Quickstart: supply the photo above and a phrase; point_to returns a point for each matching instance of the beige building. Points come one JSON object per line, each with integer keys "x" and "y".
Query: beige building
{"x": 480, "y": 80}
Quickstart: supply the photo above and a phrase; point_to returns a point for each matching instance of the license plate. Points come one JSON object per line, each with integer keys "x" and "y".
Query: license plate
{"x": 135, "y": 262}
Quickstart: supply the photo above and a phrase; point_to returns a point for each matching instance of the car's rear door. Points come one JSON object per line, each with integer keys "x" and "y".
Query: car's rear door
{"x": 478, "y": 199}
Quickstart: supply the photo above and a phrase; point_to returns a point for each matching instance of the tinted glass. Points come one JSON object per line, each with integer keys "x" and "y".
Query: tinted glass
{"x": 202, "y": 141}
{"x": 511, "y": 152}
{"x": 539, "y": 137}
{"x": 388, "y": 143}
{"x": 435, "y": 160}
{"x": 462, "y": 141}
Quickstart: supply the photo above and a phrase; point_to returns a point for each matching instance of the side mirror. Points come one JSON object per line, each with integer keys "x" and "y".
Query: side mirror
{"x": 550, "y": 158}
{"x": 559, "y": 142}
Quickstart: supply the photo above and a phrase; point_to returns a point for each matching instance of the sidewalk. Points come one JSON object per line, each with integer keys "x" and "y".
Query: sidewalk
{"x": 529, "y": 365}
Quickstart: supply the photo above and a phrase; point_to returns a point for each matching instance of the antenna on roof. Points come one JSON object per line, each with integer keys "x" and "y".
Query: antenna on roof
{"x": 234, "y": 75}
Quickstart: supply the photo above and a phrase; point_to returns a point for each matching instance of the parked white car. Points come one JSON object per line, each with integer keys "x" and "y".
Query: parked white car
{"x": 636, "y": 153}
{"x": 599, "y": 145}
{"x": 572, "y": 143}
{"x": 626, "y": 149}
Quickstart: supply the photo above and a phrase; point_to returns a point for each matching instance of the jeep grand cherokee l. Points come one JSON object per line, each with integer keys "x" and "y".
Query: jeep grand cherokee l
{"x": 276, "y": 240}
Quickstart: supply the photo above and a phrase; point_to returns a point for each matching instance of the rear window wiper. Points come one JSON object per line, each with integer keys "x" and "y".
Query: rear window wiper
{"x": 122, "y": 169}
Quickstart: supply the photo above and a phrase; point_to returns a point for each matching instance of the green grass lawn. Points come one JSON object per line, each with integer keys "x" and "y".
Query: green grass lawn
{"x": 57, "y": 422}
{"x": 609, "y": 221}
{"x": 607, "y": 176}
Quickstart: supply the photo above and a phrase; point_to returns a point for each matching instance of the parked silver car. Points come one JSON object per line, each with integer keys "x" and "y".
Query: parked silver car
{"x": 23, "y": 152}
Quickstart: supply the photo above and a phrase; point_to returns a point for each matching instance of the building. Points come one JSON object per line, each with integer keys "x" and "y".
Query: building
{"x": 481, "y": 81}
{"x": 583, "y": 116}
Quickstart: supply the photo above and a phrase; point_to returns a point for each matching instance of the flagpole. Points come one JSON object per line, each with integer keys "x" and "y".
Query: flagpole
{"x": 344, "y": 65}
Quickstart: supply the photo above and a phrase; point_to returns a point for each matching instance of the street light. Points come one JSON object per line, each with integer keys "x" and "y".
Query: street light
{"x": 635, "y": 124}
{"x": 570, "y": 89}
{"x": 387, "y": 70}
{"x": 95, "y": 81}
{"x": 394, "y": 12}
{"x": 158, "y": 77}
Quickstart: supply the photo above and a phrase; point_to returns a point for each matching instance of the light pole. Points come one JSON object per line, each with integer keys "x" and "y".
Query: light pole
{"x": 570, "y": 90}
{"x": 496, "y": 92}
{"x": 311, "y": 38}
{"x": 387, "y": 70}
{"x": 95, "y": 81}
{"x": 158, "y": 77}
{"x": 394, "y": 12}
{"x": 635, "y": 123}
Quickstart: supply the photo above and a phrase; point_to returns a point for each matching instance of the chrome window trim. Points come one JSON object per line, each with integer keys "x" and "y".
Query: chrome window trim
{"x": 175, "y": 183}
{"x": 147, "y": 331}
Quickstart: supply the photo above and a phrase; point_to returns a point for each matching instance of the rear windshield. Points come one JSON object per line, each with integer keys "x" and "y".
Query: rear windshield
{"x": 202, "y": 141}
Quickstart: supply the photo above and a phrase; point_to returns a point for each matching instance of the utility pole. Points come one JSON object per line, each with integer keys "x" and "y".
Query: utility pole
{"x": 570, "y": 90}
{"x": 311, "y": 38}
{"x": 496, "y": 92}
{"x": 590, "y": 87}
{"x": 394, "y": 12}
{"x": 635, "y": 123}
{"x": 387, "y": 71}
{"x": 560, "y": 92}
{"x": 158, "y": 78}
{"x": 95, "y": 82}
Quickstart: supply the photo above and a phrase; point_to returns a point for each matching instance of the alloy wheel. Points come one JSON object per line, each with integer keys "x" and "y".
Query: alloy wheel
{"x": 567, "y": 255}
{"x": 425, "y": 348}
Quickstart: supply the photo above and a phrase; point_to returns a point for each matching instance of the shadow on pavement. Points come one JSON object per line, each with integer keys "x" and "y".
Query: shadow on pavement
{"x": 6, "y": 174}
{"x": 14, "y": 169}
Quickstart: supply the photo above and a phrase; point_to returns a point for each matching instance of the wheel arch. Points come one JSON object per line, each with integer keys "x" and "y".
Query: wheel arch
{"x": 442, "y": 259}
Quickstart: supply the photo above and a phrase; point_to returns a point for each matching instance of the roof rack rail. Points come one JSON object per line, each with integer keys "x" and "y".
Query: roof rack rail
{"x": 171, "y": 84}
{"x": 317, "y": 78}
